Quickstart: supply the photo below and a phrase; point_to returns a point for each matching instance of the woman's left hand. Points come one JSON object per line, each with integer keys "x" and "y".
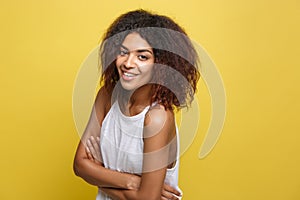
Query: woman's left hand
{"x": 93, "y": 149}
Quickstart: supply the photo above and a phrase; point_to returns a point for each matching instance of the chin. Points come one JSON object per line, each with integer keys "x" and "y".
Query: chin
{"x": 129, "y": 86}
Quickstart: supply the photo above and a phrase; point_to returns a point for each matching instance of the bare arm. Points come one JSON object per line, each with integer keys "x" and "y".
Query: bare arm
{"x": 160, "y": 129}
{"x": 168, "y": 192}
{"x": 94, "y": 172}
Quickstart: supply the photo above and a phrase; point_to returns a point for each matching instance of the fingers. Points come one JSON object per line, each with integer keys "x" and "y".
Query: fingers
{"x": 168, "y": 196}
{"x": 96, "y": 146}
{"x": 171, "y": 190}
{"x": 93, "y": 148}
{"x": 88, "y": 153}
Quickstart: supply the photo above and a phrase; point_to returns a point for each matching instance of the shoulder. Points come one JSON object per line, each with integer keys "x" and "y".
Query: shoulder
{"x": 102, "y": 103}
{"x": 158, "y": 119}
{"x": 158, "y": 114}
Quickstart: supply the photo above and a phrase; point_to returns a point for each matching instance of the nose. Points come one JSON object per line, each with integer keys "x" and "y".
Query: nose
{"x": 130, "y": 61}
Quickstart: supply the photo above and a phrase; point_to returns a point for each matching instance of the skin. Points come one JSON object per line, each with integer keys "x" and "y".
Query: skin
{"x": 135, "y": 66}
{"x": 135, "y": 59}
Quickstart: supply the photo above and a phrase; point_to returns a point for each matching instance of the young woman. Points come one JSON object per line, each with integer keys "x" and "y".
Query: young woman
{"x": 130, "y": 148}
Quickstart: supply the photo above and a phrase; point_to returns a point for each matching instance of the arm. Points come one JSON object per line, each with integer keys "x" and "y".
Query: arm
{"x": 94, "y": 172}
{"x": 168, "y": 192}
{"x": 158, "y": 132}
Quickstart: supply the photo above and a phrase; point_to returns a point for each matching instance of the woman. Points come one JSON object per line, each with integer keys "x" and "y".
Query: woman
{"x": 149, "y": 70}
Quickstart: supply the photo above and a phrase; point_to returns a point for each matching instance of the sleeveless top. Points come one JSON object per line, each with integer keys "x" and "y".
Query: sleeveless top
{"x": 122, "y": 146}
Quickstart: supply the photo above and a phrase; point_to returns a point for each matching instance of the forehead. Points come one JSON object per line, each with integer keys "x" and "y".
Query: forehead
{"x": 134, "y": 41}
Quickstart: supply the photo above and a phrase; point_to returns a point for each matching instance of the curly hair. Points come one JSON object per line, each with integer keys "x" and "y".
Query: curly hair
{"x": 175, "y": 70}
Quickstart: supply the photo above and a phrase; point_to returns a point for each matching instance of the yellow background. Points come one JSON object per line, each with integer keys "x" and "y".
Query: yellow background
{"x": 255, "y": 45}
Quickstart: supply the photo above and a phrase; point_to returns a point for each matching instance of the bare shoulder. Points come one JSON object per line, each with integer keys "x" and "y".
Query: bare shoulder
{"x": 158, "y": 119}
{"x": 102, "y": 103}
{"x": 158, "y": 114}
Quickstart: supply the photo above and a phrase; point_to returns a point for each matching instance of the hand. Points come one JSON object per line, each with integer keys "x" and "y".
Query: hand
{"x": 93, "y": 149}
{"x": 170, "y": 193}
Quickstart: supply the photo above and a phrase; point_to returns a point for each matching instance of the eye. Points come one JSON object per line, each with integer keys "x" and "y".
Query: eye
{"x": 143, "y": 57}
{"x": 123, "y": 52}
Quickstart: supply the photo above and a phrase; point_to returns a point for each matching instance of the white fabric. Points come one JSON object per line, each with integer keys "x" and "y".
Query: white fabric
{"x": 121, "y": 144}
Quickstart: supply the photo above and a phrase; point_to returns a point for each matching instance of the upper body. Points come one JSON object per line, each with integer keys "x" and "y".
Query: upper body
{"x": 142, "y": 66}
{"x": 122, "y": 144}
{"x": 154, "y": 169}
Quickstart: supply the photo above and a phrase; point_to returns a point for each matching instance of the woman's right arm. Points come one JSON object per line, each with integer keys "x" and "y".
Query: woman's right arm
{"x": 94, "y": 172}
{"x": 100, "y": 176}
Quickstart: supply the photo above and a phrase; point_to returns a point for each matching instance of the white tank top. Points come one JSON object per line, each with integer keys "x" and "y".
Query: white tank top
{"x": 122, "y": 146}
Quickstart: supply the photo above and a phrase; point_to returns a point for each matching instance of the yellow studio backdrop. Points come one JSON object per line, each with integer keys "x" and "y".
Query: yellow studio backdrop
{"x": 255, "y": 45}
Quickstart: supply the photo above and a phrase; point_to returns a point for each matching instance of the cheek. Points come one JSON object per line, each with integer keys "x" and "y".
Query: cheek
{"x": 148, "y": 71}
{"x": 151, "y": 71}
{"x": 118, "y": 62}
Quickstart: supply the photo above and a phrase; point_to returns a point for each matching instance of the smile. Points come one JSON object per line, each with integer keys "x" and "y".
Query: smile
{"x": 128, "y": 76}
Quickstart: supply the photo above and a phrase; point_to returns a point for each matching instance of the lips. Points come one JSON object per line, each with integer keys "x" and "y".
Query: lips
{"x": 127, "y": 76}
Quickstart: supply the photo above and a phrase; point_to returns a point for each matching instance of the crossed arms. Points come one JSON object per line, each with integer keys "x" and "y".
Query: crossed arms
{"x": 150, "y": 185}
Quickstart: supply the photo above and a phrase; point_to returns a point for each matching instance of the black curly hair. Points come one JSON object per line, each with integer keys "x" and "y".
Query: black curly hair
{"x": 172, "y": 50}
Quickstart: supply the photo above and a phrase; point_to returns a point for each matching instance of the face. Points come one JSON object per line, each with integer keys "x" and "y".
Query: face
{"x": 135, "y": 62}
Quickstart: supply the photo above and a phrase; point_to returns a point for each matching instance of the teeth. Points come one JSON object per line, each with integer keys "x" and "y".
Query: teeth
{"x": 129, "y": 75}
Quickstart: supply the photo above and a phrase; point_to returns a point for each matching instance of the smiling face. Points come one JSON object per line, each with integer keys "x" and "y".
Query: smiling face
{"x": 135, "y": 62}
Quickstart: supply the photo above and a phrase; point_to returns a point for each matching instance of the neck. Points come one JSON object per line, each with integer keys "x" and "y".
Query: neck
{"x": 138, "y": 97}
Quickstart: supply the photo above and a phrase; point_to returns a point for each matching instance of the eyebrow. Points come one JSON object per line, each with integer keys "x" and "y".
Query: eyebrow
{"x": 138, "y": 50}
